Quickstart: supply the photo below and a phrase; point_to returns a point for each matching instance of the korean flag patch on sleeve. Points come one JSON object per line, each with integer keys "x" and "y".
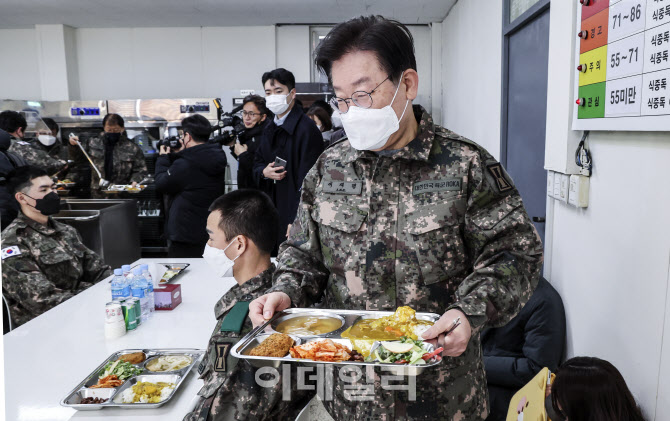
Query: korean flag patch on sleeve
{"x": 10, "y": 252}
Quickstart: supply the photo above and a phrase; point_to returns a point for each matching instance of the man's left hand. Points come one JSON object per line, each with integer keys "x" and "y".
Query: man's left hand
{"x": 164, "y": 150}
{"x": 240, "y": 149}
{"x": 456, "y": 342}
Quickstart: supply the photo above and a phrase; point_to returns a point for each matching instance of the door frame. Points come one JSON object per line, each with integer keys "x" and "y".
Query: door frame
{"x": 509, "y": 28}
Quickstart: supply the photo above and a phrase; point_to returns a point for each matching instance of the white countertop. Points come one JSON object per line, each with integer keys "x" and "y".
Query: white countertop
{"x": 48, "y": 356}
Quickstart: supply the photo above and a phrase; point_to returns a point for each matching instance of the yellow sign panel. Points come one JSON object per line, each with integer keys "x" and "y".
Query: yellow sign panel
{"x": 594, "y": 66}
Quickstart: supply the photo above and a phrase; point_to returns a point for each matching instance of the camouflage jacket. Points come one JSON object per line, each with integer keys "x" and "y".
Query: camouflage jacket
{"x": 230, "y": 391}
{"x": 129, "y": 163}
{"x": 42, "y": 266}
{"x": 37, "y": 157}
{"x": 57, "y": 150}
{"x": 436, "y": 225}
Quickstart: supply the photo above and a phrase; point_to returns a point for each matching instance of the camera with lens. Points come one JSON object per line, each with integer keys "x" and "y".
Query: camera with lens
{"x": 172, "y": 142}
{"x": 230, "y": 127}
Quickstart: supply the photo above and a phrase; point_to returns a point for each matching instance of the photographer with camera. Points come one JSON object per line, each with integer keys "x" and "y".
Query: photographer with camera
{"x": 192, "y": 176}
{"x": 255, "y": 116}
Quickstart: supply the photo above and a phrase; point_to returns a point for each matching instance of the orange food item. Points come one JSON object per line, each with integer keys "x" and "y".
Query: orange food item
{"x": 324, "y": 350}
{"x": 109, "y": 381}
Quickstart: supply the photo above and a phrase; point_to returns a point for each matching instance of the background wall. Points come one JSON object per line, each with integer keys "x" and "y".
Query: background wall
{"x": 471, "y": 69}
{"x": 611, "y": 261}
{"x": 20, "y": 71}
{"x": 145, "y": 63}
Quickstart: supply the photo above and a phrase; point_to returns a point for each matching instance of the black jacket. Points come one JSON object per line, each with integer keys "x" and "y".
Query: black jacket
{"x": 516, "y": 352}
{"x": 192, "y": 179}
{"x": 9, "y": 207}
{"x": 300, "y": 143}
{"x": 251, "y": 138}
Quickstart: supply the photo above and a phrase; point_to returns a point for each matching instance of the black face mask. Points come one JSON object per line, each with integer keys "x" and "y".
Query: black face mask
{"x": 113, "y": 137}
{"x": 48, "y": 205}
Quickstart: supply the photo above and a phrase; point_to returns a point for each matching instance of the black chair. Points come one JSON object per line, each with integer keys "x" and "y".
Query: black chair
{"x": 6, "y": 318}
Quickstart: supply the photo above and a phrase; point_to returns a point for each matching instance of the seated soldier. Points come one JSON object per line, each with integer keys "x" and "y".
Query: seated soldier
{"x": 43, "y": 261}
{"x": 242, "y": 228}
{"x": 516, "y": 352}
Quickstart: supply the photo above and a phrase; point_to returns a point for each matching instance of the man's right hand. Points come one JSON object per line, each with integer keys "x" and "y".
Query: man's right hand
{"x": 74, "y": 140}
{"x": 264, "y": 307}
{"x": 273, "y": 173}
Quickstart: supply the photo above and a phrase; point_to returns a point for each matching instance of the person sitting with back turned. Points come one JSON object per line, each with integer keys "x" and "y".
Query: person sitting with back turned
{"x": 193, "y": 178}
{"x": 44, "y": 262}
{"x": 8, "y": 162}
{"x": 242, "y": 228}
{"x": 590, "y": 389}
{"x": 516, "y": 352}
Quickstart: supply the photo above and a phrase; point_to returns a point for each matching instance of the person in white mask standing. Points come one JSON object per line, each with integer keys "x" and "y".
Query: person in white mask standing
{"x": 292, "y": 137}
{"x": 404, "y": 212}
{"x": 49, "y": 143}
{"x": 242, "y": 228}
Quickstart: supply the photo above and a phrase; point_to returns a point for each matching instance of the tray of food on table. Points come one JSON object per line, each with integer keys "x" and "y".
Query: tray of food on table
{"x": 134, "y": 378}
{"x": 342, "y": 337}
{"x": 128, "y": 188}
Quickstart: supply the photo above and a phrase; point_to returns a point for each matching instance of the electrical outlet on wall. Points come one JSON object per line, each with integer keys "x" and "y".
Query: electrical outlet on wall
{"x": 557, "y": 186}
{"x": 564, "y": 182}
{"x": 550, "y": 183}
{"x": 579, "y": 191}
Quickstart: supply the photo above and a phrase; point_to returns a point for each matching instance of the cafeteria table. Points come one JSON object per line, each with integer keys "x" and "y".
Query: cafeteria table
{"x": 48, "y": 356}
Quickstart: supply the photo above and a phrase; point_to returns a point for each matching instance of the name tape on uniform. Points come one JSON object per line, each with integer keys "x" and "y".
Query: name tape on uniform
{"x": 10, "y": 252}
{"x": 431, "y": 186}
{"x": 343, "y": 187}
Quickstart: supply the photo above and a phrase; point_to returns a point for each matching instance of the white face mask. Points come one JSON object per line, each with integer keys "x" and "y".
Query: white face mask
{"x": 217, "y": 260}
{"x": 46, "y": 140}
{"x": 369, "y": 129}
{"x": 277, "y": 103}
{"x": 337, "y": 119}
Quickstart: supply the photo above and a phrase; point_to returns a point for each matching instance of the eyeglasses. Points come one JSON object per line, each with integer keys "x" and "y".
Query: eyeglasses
{"x": 361, "y": 99}
{"x": 249, "y": 114}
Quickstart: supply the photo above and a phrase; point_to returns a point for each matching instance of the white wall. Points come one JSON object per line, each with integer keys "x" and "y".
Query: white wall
{"x": 172, "y": 62}
{"x": 19, "y": 72}
{"x": 471, "y": 69}
{"x": 610, "y": 262}
{"x": 423, "y": 53}
{"x": 293, "y": 45}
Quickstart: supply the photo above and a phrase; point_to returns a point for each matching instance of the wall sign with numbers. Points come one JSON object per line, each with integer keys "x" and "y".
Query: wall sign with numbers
{"x": 623, "y": 65}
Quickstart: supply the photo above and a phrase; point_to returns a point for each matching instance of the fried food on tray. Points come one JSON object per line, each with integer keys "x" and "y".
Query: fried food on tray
{"x": 109, "y": 381}
{"x": 324, "y": 350}
{"x": 134, "y": 358}
{"x": 276, "y": 345}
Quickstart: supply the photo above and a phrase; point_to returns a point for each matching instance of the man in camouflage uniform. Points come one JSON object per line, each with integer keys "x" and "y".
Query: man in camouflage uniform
{"x": 15, "y": 124}
{"x": 57, "y": 150}
{"x": 119, "y": 160}
{"x": 242, "y": 227}
{"x": 413, "y": 215}
{"x": 43, "y": 261}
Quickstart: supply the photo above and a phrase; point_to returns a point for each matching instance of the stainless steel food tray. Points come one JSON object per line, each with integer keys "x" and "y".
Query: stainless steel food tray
{"x": 177, "y": 377}
{"x": 349, "y": 317}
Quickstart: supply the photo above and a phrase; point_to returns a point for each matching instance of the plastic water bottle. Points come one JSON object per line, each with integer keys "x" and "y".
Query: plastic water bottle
{"x": 126, "y": 270}
{"x": 118, "y": 285}
{"x": 150, "y": 288}
{"x": 139, "y": 291}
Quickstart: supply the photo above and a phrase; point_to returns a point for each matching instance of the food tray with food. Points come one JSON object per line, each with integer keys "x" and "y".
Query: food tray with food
{"x": 128, "y": 188}
{"x": 134, "y": 378}
{"x": 65, "y": 183}
{"x": 173, "y": 270}
{"x": 343, "y": 337}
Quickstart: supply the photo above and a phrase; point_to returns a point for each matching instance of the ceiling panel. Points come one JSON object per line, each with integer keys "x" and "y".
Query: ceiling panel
{"x": 185, "y": 13}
